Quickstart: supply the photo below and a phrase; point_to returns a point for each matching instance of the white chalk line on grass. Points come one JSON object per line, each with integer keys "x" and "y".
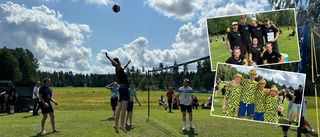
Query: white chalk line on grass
{"x": 220, "y": 56}
{"x": 170, "y": 128}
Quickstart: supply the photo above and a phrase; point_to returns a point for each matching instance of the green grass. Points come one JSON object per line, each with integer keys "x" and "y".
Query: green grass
{"x": 91, "y": 112}
{"x": 219, "y": 51}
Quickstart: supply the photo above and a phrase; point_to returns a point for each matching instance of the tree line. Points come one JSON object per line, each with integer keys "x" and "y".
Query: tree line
{"x": 218, "y": 26}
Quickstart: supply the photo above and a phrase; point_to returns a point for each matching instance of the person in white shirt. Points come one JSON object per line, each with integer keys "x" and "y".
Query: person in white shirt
{"x": 185, "y": 102}
{"x": 36, "y": 99}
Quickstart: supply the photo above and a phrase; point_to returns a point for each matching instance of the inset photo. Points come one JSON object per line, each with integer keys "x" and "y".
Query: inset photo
{"x": 254, "y": 39}
{"x": 258, "y": 94}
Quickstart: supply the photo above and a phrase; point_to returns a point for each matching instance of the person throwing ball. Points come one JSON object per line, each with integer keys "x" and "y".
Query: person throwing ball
{"x": 123, "y": 91}
{"x": 185, "y": 102}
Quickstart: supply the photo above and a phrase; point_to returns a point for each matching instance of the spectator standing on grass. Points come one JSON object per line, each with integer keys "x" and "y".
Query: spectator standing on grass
{"x": 35, "y": 97}
{"x": 132, "y": 92}
{"x": 170, "y": 95}
{"x": 186, "y": 102}
{"x": 2, "y": 99}
{"x": 45, "y": 95}
{"x": 296, "y": 104}
{"x": 289, "y": 98}
{"x": 114, "y": 96}
{"x": 11, "y": 98}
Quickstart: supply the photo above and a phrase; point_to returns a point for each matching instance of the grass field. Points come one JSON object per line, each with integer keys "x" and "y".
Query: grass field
{"x": 87, "y": 112}
{"x": 219, "y": 51}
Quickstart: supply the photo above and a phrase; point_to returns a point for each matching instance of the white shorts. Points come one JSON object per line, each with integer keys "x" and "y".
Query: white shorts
{"x": 296, "y": 106}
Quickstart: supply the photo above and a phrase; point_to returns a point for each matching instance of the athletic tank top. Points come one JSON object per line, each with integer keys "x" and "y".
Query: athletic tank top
{"x": 122, "y": 76}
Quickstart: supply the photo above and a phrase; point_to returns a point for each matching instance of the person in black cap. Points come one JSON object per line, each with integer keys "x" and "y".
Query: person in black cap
{"x": 11, "y": 97}
{"x": 270, "y": 34}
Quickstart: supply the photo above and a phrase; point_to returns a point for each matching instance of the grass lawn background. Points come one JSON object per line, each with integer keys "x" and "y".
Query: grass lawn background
{"x": 219, "y": 52}
{"x": 87, "y": 112}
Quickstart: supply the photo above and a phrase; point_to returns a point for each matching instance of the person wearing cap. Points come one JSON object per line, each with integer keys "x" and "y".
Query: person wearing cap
{"x": 11, "y": 97}
{"x": 234, "y": 39}
{"x": 247, "y": 97}
{"x": 132, "y": 92}
{"x": 245, "y": 34}
{"x": 296, "y": 104}
{"x": 271, "y": 56}
{"x": 114, "y": 88}
{"x": 273, "y": 104}
{"x": 255, "y": 53}
{"x": 232, "y": 97}
{"x": 259, "y": 101}
{"x": 270, "y": 34}
{"x": 237, "y": 58}
{"x": 256, "y": 31}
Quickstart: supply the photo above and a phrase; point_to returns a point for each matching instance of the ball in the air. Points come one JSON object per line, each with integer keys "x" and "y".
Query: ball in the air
{"x": 116, "y": 8}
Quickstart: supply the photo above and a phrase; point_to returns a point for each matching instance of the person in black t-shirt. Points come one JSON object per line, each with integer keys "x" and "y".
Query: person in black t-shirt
{"x": 234, "y": 39}
{"x": 11, "y": 97}
{"x": 2, "y": 99}
{"x": 256, "y": 31}
{"x": 45, "y": 96}
{"x": 255, "y": 52}
{"x": 195, "y": 103}
{"x": 245, "y": 34}
{"x": 272, "y": 56}
{"x": 223, "y": 39}
{"x": 270, "y": 34}
{"x": 296, "y": 103}
{"x": 223, "y": 90}
{"x": 237, "y": 58}
{"x": 123, "y": 92}
{"x": 292, "y": 34}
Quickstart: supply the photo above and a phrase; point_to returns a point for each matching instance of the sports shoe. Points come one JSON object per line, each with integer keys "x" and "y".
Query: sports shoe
{"x": 192, "y": 127}
{"x": 166, "y": 108}
{"x": 184, "y": 129}
{"x": 295, "y": 120}
{"x": 286, "y": 119}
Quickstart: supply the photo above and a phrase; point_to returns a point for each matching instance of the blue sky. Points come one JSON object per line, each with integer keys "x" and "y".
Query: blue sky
{"x": 72, "y": 35}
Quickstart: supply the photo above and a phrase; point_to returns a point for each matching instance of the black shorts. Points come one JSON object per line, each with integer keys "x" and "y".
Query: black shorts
{"x": 223, "y": 93}
{"x": 45, "y": 110}
{"x": 184, "y": 108}
{"x": 114, "y": 102}
{"x": 2, "y": 100}
{"x": 130, "y": 106}
{"x": 302, "y": 125}
{"x": 12, "y": 102}
{"x": 217, "y": 87}
{"x": 123, "y": 93}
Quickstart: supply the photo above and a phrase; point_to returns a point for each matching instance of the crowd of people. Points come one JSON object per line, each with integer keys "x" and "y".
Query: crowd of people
{"x": 254, "y": 51}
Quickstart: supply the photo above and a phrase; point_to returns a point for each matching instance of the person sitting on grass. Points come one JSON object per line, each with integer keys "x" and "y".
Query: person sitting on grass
{"x": 273, "y": 105}
{"x": 237, "y": 58}
{"x": 231, "y": 99}
{"x": 292, "y": 34}
{"x": 162, "y": 102}
{"x": 195, "y": 103}
{"x": 132, "y": 92}
{"x": 114, "y": 96}
{"x": 272, "y": 56}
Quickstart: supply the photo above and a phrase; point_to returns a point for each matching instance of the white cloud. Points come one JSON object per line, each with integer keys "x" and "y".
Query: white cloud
{"x": 177, "y": 9}
{"x": 99, "y": 2}
{"x": 56, "y": 43}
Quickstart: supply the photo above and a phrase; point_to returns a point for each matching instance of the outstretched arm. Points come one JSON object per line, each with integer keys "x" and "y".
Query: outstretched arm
{"x": 112, "y": 61}
{"x": 125, "y": 66}
{"x": 137, "y": 100}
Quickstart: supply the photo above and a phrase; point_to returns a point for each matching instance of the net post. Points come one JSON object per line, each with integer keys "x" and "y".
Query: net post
{"x": 148, "y": 96}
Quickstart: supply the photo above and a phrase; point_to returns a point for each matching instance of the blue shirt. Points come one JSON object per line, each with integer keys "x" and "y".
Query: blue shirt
{"x": 114, "y": 92}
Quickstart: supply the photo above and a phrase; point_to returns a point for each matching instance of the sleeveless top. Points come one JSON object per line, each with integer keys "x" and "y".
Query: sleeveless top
{"x": 122, "y": 76}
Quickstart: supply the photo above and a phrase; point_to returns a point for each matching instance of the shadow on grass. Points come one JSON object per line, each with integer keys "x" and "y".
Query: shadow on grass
{"x": 190, "y": 133}
{"x": 30, "y": 116}
{"x": 128, "y": 127}
{"x": 160, "y": 128}
{"x": 295, "y": 129}
{"x": 46, "y": 134}
{"x": 109, "y": 119}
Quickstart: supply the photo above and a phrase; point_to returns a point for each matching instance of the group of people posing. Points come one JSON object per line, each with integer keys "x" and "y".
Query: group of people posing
{"x": 239, "y": 43}
{"x": 250, "y": 97}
